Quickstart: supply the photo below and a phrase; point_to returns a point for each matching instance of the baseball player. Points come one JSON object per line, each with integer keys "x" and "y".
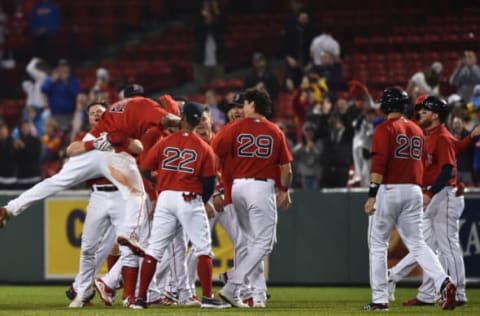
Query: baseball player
{"x": 257, "y": 147}
{"x": 132, "y": 116}
{"x": 395, "y": 198}
{"x": 443, "y": 206}
{"x": 185, "y": 181}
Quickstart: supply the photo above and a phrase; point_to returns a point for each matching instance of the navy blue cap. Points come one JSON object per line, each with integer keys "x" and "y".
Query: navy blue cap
{"x": 238, "y": 100}
{"x": 193, "y": 112}
{"x": 133, "y": 90}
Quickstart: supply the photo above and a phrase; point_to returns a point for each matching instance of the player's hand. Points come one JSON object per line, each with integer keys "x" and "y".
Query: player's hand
{"x": 210, "y": 210}
{"x": 218, "y": 203}
{"x": 369, "y": 206}
{"x": 102, "y": 143}
{"x": 426, "y": 200}
{"x": 284, "y": 200}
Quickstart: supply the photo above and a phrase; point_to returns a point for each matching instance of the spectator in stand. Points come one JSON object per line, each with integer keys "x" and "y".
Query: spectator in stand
{"x": 80, "y": 119}
{"x": 34, "y": 120}
{"x": 260, "y": 77}
{"x": 324, "y": 44}
{"x": 283, "y": 127}
{"x": 307, "y": 158}
{"x": 17, "y": 29}
{"x": 102, "y": 90}
{"x": 7, "y": 158}
{"x": 27, "y": 155}
{"x": 348, "y": 111}
{"x": 44, "y": 25}
{"x": 362, "y": 143}
{"x": 51, "y": 145}
{"x": 319, "y": 115}
{"x": 465, "y": 158}
{"x": 337, "y": 159}
{"x": 425, "y": 82}
{"x": 38, "y": 71}
{"x": 296, "y": 39}
{"x": 329, "y": 69}
{"x": 208, "y": 44}
{"x": 61, "y": 90}
{"x": 217, "y": 115}
{"x": 466, "y": 75}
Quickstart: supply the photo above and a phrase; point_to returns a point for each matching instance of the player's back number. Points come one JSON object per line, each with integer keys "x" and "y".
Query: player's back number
{"x": 408, "y": 147}
{"x": 179, "y": 160}
{"x": 254, "y": 146}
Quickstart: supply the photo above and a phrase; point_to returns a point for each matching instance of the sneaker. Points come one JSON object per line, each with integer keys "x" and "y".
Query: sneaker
{"x": 223, "y": 277}
{"x": 71, "y": 293}
{"x": 212, "y": 302}
{"x": 191, "y": 301}
{"x": 416, "y": 302}
{"x": 164, "y": 301}
{"x": 106, "y": 293}
{"x": 3, "y": 217}
{"x": 133, "y": 245}
{"x": 391, "y": 290}
{"x": 128, "y": 301}
{"x": 259, "y": 304}
{"x": 139, "y": 304}
{"x": 76, "y": 303}
{"x": 231, "y": 298}
{"x": 449, "y": 292}
{"x": 248, "y": 301}
{"x": 173, "y": 296}
{"x": 375, "y": 307}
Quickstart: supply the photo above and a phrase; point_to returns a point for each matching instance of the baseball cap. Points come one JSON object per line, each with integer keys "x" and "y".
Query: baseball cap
{"x": 238, "y": 100}
{"x": 133, "y": 90}
{"x": 192, "y": 111}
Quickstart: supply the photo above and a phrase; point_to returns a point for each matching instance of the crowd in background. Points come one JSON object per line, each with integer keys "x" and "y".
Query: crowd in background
{"x": 333, "y": 124}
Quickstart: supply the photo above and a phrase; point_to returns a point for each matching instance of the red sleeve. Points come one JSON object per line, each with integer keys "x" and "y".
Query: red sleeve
{"x": 446, "y": 152}
{"x": 461, "y": 145}
{"x": 209, "y": 169}
{"x": 221, "y": 144}
{"x": 380, "y": 150}
{"x": 150, "y": 161}
{"x": 285, "y": 154}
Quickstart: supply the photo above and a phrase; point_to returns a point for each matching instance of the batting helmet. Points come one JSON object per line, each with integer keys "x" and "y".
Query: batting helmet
{"x": 436, "y": 105}
{"x": 393, "y": 100}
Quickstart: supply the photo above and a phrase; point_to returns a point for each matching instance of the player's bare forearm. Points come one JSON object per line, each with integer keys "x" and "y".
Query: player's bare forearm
{"x": 376, "y": 178}
{"x": 76, "y": 148}
{"x": 285, "y": 175}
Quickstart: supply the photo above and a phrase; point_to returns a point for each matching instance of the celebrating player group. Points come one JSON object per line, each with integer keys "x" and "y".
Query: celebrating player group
{"x": 158, "y": 174}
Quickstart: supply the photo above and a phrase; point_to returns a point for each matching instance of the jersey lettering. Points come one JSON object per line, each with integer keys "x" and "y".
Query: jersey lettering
{"x": 409, "y": 147}
{"x": 179, "y": 160}
{"x": 251, "y": 146}
{"x": 119, "y": 107}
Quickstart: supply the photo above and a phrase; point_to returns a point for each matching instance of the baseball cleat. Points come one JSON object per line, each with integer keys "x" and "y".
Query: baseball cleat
{"x": 76, "y": 303}
{"x": 215, "y": 303}
{"x": 449, "y": 292}
{"x": 164, "y": 301}
{"x": 375, "y": 307}
{"x": 133, "y": 245}
{"x": 106, "y": 293}
{"x": 231, "y": 298}
{"x": 223, "y": 277}
{"x": 3, "y": 217}
{"x": 139, "y": 304}
{"x": 259, "y": 304}
{"x": 191, "y": 301}
{"x": 416, "y": 302}
{"x": 173, "y": 296}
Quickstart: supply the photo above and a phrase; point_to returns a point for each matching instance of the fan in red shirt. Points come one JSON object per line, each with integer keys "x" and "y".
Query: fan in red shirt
{"x": 186, "y": 174}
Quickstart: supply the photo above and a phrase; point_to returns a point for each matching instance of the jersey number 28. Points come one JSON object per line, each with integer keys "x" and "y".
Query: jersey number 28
{"x": 254, "y": 146}
{"x": 179, "y": 160}
{"x": 409, "y": 147}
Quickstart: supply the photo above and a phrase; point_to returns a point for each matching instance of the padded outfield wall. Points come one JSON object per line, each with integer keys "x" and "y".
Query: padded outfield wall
{"x": 321, "y": 240}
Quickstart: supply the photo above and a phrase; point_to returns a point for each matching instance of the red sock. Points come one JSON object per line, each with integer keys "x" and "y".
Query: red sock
{"x": 146, "y": 274}
{"x": 129, "y": 282}
{"x": 204, "y": 271}
{"x": 111, "y": 260}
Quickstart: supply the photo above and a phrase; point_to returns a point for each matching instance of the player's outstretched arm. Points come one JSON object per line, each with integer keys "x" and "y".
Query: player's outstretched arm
{"x": 106, "y": 143}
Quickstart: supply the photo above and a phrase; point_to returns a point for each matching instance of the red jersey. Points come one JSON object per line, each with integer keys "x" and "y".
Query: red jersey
{"x": 182, "y": 160}
{"x": 256, "y": 146}
{"x": 397, "y": 151}
{"x": 440, "y": 150}
{"x": 132, "y": 116}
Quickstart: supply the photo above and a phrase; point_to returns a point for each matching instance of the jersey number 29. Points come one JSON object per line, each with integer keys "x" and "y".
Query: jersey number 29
{"x": 409, "y": 147}
{"x": 254, "y": 146}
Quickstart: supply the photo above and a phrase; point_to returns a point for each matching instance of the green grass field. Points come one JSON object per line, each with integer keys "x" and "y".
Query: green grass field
{"x": 50, "y": 300}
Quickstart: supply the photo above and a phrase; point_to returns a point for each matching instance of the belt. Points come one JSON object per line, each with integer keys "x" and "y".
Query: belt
{"x": 255, "y": 179}
{"x": 104, "y": 188}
